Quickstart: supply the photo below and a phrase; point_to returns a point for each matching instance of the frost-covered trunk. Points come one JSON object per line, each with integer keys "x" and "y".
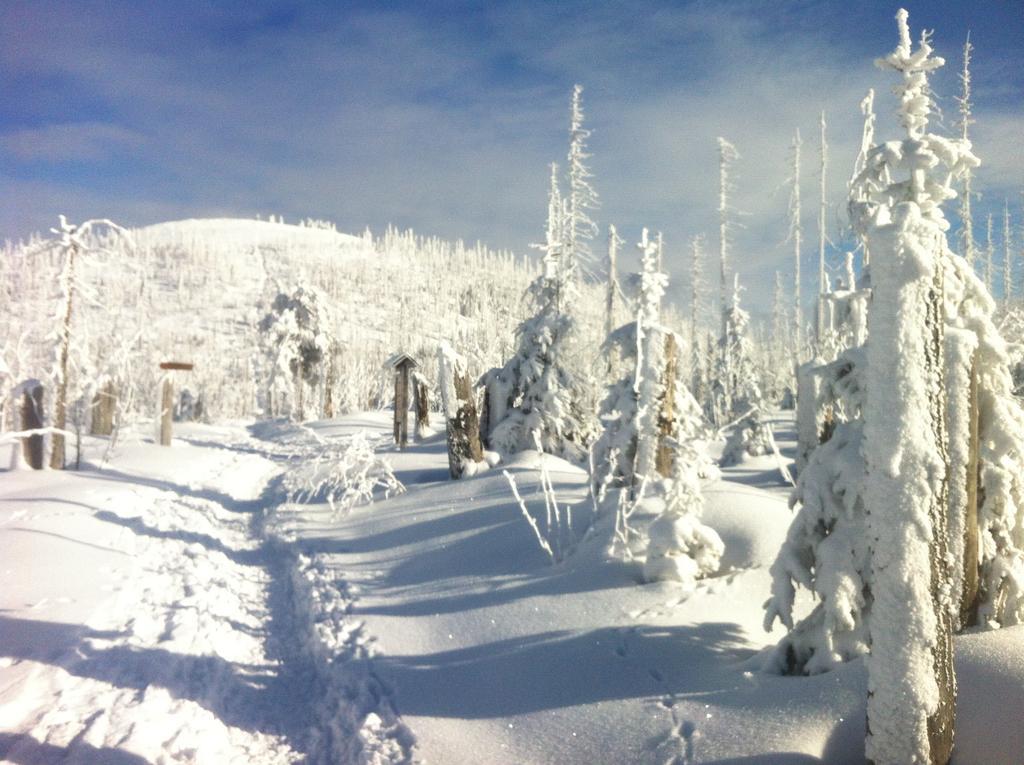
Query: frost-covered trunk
{"x": 962, "y": 422}
{"x": 463, "y": 425}
{"x": 60, "y": 405}
{"x": 667, "y": 409}
{"x": 32, "y": 419}
{"x": 910, "y": 673}
{"x": 104, "y": 406}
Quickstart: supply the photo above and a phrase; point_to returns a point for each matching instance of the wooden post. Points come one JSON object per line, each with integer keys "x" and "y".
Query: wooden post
{"x": 32, "y": 419}
{"x": 663, "y": 461}
{"x": 104, "y": 404}
{"x": 403, "y": 365}
{"x": 166, "y": 411}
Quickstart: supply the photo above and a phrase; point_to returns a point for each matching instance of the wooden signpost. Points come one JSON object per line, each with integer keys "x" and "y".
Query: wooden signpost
{"x": 402, "y": 364}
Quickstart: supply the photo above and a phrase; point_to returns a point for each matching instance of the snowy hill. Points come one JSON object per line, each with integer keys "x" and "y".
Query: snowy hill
{"x": 195, "y": 290}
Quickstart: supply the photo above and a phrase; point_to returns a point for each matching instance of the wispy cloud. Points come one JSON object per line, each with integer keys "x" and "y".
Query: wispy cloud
{"x": 446, "y": 120}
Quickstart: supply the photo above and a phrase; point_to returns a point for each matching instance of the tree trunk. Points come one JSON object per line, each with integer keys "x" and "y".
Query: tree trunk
{"x": 166, "y": 411}
{"x": 104, "y": 405}
{"x": 401, "y": 424}
{"x": 942, "y": 722}
{"x": 969, "y": 599}
{"x": 422, "y": 406}
{"x": 32, "y": 419}
{"x": 463, "y": 429}
{"x": 663, "y": 461}
{"x": 60, "y": 408}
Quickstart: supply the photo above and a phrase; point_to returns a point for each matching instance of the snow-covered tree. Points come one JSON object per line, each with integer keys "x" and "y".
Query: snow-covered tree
{"x": 580, "y": 228}
{"x": 613, "y": 290}
{"x": 679, "y": 547}
{"x": 736, "y": 384}
{"x": 727, "y": 156}
{"x": 531, "y": 400}
{"x": 297, "y": 338}
{"x": 73, "y": 242}
{"x": 698, "y": 350}
{"x": 796, "y": 237}
{"x": 871, "y": 536}
{"x": 966, "y": 194}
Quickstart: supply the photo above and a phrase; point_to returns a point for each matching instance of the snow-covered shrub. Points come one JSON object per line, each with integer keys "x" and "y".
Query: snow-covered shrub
{"x": 344, "y": 472}
{"x": 679, "y": 547}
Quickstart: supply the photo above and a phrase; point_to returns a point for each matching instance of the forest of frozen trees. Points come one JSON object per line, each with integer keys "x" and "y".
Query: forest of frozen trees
{"x": 380, "y": 498}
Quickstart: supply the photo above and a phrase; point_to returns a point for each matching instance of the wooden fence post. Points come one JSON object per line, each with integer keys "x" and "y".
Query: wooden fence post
{"x": 32, "y": 419}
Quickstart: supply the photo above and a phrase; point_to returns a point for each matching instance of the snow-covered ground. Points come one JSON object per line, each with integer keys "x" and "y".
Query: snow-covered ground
{"x": 172, "y": 606}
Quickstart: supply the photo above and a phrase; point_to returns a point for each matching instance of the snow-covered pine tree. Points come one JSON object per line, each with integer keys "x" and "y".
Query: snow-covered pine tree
{"x": 613, "y": 290}
{"x": 698, "y": 350}
{"x": 531, "y": 399}
{"x": 966, "y": 194}
{"x": 866, "y": 567}
{"x": 910, "y": 665}
{"x": 796, "y": 237}
{"x": 651, "y": 447}
{"x": 580, "y": 228}
{"x": 736, "y": 382}
{"x": 297, "y": 337}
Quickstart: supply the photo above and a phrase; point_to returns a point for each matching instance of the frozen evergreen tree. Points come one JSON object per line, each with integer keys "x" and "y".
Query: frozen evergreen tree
{"x": 737, "y": 383}
{"x": 679, "y": 547}
{"x": 580, "y": 228}
{"x": 796, "y": 237}
{"x": 297, "y": 339}
{"x": 531, "y": 400}
{"x": 966, "y": 120}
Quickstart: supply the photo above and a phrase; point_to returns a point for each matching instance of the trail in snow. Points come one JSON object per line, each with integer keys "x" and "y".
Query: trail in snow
{"x": 208, "y": 646}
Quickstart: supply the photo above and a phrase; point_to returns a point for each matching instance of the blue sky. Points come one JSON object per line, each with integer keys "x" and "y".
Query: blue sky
{"x": 444, "y": 116}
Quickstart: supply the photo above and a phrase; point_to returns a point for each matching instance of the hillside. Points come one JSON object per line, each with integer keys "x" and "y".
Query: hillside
{"x": 195, "y": 290}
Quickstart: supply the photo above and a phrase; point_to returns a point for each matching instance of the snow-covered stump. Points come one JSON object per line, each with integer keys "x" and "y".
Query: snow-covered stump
{"x": 422, "y": 405}
{"x": 463, "y": 425}
{"x": 103, "y": 408}
{"x": 31, "y": 394}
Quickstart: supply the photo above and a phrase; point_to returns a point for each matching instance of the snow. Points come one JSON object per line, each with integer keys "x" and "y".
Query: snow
{"x": 188, "y": 611}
